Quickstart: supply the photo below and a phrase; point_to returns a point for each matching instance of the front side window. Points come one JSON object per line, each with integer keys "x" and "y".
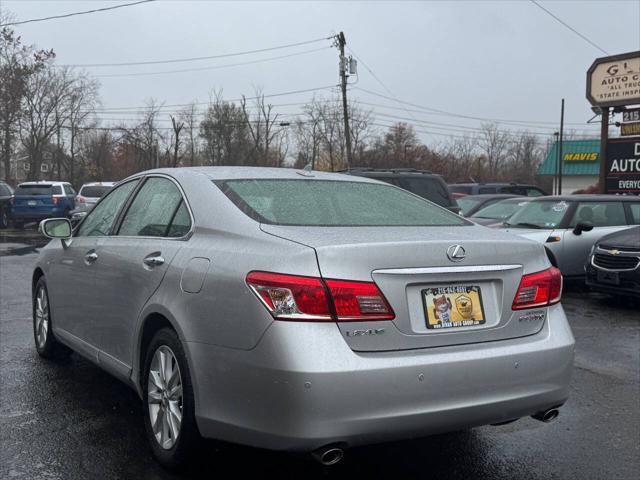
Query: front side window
{"x": 605, "y": 214}
{"x": 100, "y": 220}
{"x": 333, "y": 204}
{"x": 152, "y": 211}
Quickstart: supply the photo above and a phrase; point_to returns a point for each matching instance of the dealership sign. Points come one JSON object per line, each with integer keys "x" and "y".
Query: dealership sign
{"x": 623, "y": 166}
{"x": 614, "y": 81}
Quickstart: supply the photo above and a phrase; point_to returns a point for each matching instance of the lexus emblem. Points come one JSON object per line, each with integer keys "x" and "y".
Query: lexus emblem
{"x": 456, "y": 253}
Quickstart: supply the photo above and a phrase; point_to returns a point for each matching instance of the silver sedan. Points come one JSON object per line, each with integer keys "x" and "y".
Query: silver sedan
{"x": 301, "y": 311}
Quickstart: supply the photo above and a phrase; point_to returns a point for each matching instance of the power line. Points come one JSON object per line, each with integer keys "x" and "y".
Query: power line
{"x": 66, "y": 15}
{"x": 570, "y": 27}
{"x": 215, "y": 67}
{"x": 194, "y": 59}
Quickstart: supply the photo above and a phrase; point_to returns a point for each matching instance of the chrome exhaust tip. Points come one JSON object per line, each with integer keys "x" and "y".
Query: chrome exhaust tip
{"x": 547, "y": 416}
{"x": 329, "y": 455}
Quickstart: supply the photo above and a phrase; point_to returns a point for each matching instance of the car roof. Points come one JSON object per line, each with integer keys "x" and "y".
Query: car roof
{"x": 233, "y": 173}
{"x": 390, "y": 172}
{"x": 44, "y": 183}
{"x": 493, "y": 184}
{"x": 98, "y": 184}
{"x": 587, "y": 198}
{"x": 492, "y": 195}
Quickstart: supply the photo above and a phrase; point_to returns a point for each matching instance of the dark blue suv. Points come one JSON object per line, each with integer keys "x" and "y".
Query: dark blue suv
{"x": 35, "y": 201}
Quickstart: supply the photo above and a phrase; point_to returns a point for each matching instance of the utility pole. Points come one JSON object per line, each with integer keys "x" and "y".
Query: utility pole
{"x": 604, "y": 138}
{"x": 560, "y": 147}
{"x": 341, "y": 42}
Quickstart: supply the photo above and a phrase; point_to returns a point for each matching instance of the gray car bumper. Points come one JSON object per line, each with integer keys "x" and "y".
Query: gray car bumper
{"x": 302, "y": 387}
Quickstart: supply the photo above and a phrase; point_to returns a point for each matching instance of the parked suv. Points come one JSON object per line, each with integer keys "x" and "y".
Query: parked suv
{"x": 90, "y": 193}
{"x": 419, "y": 182}
{"x": 35, "y": 201}
{"x": 462, "y": 189}
{"x": 6, "y": 194}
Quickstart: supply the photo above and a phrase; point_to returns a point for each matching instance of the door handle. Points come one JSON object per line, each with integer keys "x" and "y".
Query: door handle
{"x": 153, "y": 261}
{"x": 90, "y": 257}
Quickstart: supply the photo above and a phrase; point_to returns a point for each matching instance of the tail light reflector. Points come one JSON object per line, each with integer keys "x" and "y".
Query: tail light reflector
{"x": 539, "y": 289}
{"x": 80, "y": 199}
{"x": 55, "y": 200}
{"x": 292, "y": 297}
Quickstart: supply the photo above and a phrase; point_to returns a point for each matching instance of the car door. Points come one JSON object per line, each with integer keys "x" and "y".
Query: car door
{"x": 71, "y": 277}
{"x": 133, "y": 262}
{"x": 606, "y": 217}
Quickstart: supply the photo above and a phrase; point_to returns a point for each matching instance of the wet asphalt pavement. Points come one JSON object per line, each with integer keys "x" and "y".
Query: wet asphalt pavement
{"x": 70, "y": 420}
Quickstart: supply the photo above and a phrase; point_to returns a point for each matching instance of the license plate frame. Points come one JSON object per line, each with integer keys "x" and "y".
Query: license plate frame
{"x": 608, "y": 278}
{"x": 463, "y": 312}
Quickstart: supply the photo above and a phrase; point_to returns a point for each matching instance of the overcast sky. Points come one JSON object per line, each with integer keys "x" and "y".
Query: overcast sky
{"x": 502, "y": 60}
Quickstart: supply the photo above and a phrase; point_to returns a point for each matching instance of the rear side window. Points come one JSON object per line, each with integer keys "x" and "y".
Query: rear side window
{"x": 69, "y": 189}
{"x": 100, "y": 220}
{"x": 56, "y": 190}
{"x": 606, "y": 214}
{"x": 635, "y": 212}
{"x": 486, "y": 190}
{"x": 151, "y": 213}
{"x": 35, "y": 190}
{"x": 94, "y": 191}
{"x": 333, "y": 204}
{"x": 428, "y": 188}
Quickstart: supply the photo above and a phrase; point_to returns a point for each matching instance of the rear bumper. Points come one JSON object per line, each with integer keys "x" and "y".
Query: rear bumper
{"x": 302, "y": 387}
{"x": 33, "y": 214}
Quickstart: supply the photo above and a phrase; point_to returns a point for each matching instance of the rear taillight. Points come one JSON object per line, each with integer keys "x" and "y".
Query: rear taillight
{"x": 80, "y": 199}
{"x": 539, "y": 289}
{"x": 55, "y": 200}
{"x": 13, "y": 200}
{"x": 355, "y": 301}
{"x": 292, "y": 297}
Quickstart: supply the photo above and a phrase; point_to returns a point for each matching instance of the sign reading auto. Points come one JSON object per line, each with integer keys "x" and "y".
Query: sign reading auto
{"x": 623, "y": 166}
{"x": 614, "y": 81}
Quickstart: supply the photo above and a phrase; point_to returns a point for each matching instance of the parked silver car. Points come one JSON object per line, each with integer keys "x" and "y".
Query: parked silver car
{"x": 305, "y": 311}
{"x": 569, "y": 225}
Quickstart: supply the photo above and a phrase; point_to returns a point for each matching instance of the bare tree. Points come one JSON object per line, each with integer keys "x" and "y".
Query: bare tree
{"x": 45, "y": 91}
{"x": 17, "y": 63}
{"x": 263, "y": 130}
{"x": 493, "y": 142}
{"x": 177, "y": 127}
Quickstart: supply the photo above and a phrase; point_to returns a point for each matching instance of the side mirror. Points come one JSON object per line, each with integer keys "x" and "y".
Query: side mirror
{"x": 582, "y": 227}
{"x": 56, "y": 228}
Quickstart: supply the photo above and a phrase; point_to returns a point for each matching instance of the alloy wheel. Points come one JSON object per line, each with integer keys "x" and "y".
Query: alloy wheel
{"x": 42, "y": 317}
{"x": 164, "y": 397}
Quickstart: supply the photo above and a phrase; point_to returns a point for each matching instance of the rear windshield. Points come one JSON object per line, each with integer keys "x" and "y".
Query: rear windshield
{"x": 38, "y": 190}
{"x": 333, "y": 204}
{"x": 94, "y": 191}
{"x": 467, "y": 204}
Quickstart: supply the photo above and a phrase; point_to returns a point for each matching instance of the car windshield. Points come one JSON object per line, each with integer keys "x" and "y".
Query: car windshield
{"x": 333, "y": 203}
{"x": 466, "y": 204}
{"x": 34, "y": 190}
{"x": 499, "y": 210}
{"x": 543, "y": 214}
{"x": 94, "y": 191}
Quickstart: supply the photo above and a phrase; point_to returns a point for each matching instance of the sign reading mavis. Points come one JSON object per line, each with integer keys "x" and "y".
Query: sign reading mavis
{"x": 614, "y": 81}
{"x": 623, "y": 166}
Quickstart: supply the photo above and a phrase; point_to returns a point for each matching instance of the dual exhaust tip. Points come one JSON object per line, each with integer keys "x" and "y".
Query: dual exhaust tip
{"x": 331, "y": 454}
{"x": 546, "y": 416}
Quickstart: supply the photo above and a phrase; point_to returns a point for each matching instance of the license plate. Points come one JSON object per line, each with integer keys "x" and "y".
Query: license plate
{"x": 32, "y": 203}
{"x": 453, "y": 306}
{"x": 612, "y": 278}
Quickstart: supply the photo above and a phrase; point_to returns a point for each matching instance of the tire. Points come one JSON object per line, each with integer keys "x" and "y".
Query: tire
{"x": 4, "y": 218}
{"x": 173, "y": 440}
{"x": 46, "y": 344}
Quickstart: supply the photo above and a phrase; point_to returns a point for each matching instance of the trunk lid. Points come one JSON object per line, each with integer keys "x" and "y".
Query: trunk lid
{"x": 405, "y": 261}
